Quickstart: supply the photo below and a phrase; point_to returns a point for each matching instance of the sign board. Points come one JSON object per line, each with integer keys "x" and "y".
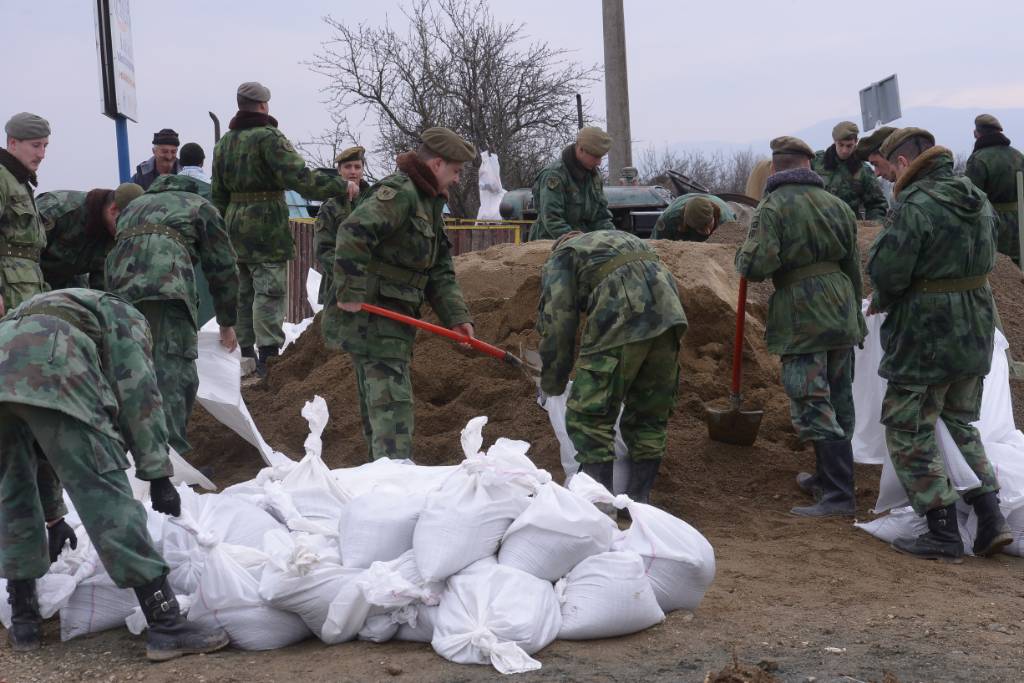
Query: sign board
{"x": 117, "y": 60}
{"x": 880, "y": 103}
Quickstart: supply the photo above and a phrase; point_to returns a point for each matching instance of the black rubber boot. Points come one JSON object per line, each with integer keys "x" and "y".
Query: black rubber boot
{"x": 993, "y": 531}
{"x": 809, "y": 483}
{"x": 248, "y": 352}
{"x": 940, "y": 542}
{"x": 641, "y": 479}
{"x": 835, "y": 479}
{"x": 261, "y": 361}
{"x": 169, "y": 634}
{"x": 26, "y": 621}
{"x": 601, "y": 472}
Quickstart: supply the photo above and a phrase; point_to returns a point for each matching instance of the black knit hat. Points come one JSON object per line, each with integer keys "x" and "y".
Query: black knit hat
{"x": 166, "y": 136}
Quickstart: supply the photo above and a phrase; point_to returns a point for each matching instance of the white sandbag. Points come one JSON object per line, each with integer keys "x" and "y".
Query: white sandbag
{"x": 52, "y": 591}
{"x": 228, "y": 597}
{"x": 393, "y": 475}
{"x": 96, "y": 605}
{"x": 378, "y": 527}
{"x": 1016, "y": 521}
{"x": 606, "y": 596}
{"x": 420, "y": 629}
{"x": 905, "y": 523}
{"x": 311, "y": 485}
{"x": 303, "y": 574}
{"x": 499, "y": 616}
{"x": 555, "y": 533}
{"x": 679, "y": 561}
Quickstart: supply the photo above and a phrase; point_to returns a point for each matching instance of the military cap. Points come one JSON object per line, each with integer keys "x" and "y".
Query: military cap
{"x": 788, "y": 144}
{"x": 593, "y": 140}
{"x": 844, "y": 130}
{"x": 870, "y": 144}
{"x": 987, "y": 121}
{"x": 126, "y": 192}
{"x": 191, "y": 154}
{"x": 166, "y": 136}
{"x": 256, "y": 92}
{"x": 447, "y": 144}
{"x": 26, "y": 126}
{"x": 698, "y": 212}
{"x": 900, "y": 136}
{"x": 356, "y": 153}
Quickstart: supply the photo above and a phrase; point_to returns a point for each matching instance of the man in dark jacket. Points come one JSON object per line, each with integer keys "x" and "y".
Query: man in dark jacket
{"x": 163, "y": 162}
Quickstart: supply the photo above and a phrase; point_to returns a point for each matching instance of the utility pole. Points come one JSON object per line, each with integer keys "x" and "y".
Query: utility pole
{"x": 616, "y": 87}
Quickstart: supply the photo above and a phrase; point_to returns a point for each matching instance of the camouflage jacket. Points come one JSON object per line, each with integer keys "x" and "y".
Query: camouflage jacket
{"x": 859, "y": 189}
{"x": 328, "y": 218}
{"x": 89, "y": 356}
{"x": 253, "y": 164}
{"x": 634, "y": 301}
{"x": 161, "y": 236}
{"x": 669, "y": 225}
{"x": 799, "y": 224}
{"x": 569, "y": 197}
{"x": 20, "y": 226}
{"x": 71, "y": 250}
{"x": 993, "y": 167}
{"x": 392, "y": 251}
{"x": 942, "y": 227}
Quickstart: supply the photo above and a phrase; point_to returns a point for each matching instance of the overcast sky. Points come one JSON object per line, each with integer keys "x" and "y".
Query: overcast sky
{"x": 698, "y": 71}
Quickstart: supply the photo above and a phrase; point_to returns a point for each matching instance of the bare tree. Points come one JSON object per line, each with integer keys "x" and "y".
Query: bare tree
{"x": 456, "y": 66}
{"x": 714, "y": 170}
{"x": 321, "y": 150}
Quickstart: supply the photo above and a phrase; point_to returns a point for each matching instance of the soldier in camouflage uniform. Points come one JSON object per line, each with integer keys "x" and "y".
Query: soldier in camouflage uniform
{"x": 929, "y": 269}
{"x": 392, "y": 251}
{"x": 569, "y": 194}
{"x": 692, "y": 217}
{"x": 349, "y": 163}
{"x": 805, "y": 240}
{"x": 79, "y": 233}
{"x": 847, "y": 177}
{"x": 21, "y": 231}
{"x": 253, "y": 164}
{"x": 993, "y": 168}
{"x": 78, "y": 389}
{"x": 161, "y": 237}
{"x": 867, "y": 150}
{"x": 628, "y": 353}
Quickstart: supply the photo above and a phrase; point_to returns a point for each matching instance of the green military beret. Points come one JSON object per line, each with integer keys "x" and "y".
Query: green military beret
{"x": 125, "y": 193}
{"x": 788, "y": 144}
{"x": 901, "y": 136}
{"x": 356, "y": 153}
{"x": 987, "y": 121}
{"x": 593, "y": 140}
{"x": 869, "y": 145}
{"x": 25, "y": 126}
{"x": 447, "y": 144}
{"x": 844, "y": 130}
{"x": 698, "y": 212}
{"x": 256, "y": 92}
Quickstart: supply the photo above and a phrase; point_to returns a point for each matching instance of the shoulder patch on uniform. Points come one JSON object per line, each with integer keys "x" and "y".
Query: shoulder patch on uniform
{"x": 386, "y": 193}
{"x": 553, "y": 182}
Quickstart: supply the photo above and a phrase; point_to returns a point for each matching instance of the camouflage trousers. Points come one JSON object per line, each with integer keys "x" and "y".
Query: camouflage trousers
{"x": 91, "y": 466}
{"x": 262, "y": 303}
{"x": 385, "y": 405}
{"x": 909, "y": 412}
{"x": 1007, "y": 235}
{"x": 22, "y": 279}
{"x": 175, "y": 349}
{"x": 643, "y": 379}
{"x": 820, "y": 390}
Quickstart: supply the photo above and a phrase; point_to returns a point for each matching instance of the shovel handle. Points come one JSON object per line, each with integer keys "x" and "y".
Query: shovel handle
{"x": 737, "y": 349}
{"x": 481, "y": 346}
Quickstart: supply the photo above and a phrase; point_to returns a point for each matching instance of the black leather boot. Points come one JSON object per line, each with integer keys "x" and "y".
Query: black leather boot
{"x": 641, "y": 479}
{"x": 26, "y": 621}
{"x": 265, "y": 352}
{"x": 993, "y": 531}
{"x": 169, "y": 634}
{"x": 940, "y": 542}
{"x": 835, "y": 479}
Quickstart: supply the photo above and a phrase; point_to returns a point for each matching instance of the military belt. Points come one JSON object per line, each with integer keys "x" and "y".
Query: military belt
{"x": 403, "y": 276}
{"x": 30, "y": 253}
{"x": 608, "y": 267}
{"x": 251, "y": 197}
{"x": 153, "y": 229}
{"x": 948, "y": 286}
{"x": 791, "y": 277}
{"x": 1004, "y": 206}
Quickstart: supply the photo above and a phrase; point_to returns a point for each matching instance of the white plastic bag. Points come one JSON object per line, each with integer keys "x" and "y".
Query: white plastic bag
{"x": 499, "y": 616}
{"x": 555, "y": 533}
{"x": 607, "y": 596}
{"x": 378, "y": 527}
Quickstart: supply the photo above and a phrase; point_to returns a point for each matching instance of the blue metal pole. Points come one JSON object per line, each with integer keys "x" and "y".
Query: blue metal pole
{"x": 123, "y": 164}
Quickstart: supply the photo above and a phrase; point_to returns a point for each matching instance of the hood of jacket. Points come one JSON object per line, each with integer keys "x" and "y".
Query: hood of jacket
{"x": 932, "y": 173}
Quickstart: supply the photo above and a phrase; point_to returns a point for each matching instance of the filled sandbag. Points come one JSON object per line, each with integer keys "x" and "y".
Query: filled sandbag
{"x": 378, "y": 527}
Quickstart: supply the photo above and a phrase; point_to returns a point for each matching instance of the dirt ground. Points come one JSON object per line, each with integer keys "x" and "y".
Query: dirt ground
{"x": 793, "y": 599}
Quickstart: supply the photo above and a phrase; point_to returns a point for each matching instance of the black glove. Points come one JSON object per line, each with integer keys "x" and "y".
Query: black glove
{"x": 165, "y": 497}
{"x": 58, "y": 534}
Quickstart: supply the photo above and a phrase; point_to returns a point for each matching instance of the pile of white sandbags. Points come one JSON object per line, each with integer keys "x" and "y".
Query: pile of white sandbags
{"x": 489, "y": 561}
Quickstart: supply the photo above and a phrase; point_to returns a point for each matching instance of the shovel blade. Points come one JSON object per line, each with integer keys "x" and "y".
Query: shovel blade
{"x": 734, "y": 426}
